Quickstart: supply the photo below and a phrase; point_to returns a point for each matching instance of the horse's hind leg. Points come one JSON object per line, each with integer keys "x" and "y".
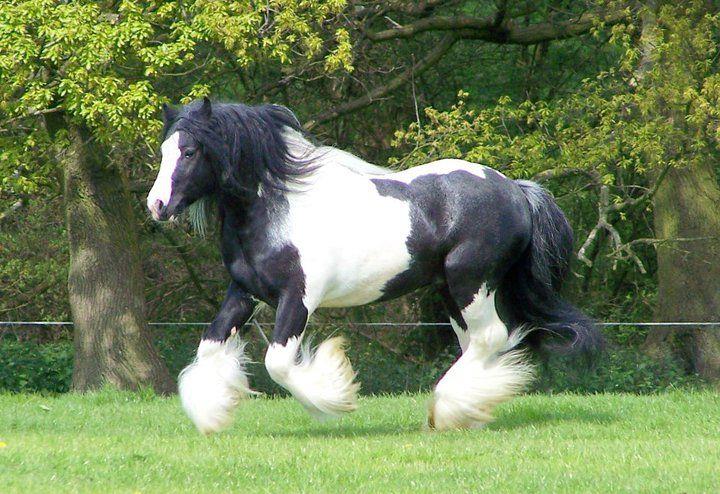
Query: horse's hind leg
{"x": 488, "y": 371}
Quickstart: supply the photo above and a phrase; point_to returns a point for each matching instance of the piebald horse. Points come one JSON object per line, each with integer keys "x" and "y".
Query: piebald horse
{"x": 306, "y": 226}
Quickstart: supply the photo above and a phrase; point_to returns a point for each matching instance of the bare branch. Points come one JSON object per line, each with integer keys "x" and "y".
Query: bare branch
{"x": 506, "y": 31}
{"x": 604, "y": 208}
{"x": 647, "y": 196}
{"x": 431, "y": 58}
{"x": 14, "y": 208}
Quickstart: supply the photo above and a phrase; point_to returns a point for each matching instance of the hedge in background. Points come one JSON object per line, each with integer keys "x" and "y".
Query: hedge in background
{"x": 31, "y": 367}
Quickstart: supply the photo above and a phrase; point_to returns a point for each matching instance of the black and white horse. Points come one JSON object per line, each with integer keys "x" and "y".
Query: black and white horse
{"x": 306, "y": 226}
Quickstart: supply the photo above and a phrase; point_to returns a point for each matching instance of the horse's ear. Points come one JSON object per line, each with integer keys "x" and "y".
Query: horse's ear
{"x": 169, "y": 113}
{"x": 206, "y": 109}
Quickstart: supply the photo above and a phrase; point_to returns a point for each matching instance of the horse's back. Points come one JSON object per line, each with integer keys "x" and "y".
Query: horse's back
{"x": 455, "y": 200}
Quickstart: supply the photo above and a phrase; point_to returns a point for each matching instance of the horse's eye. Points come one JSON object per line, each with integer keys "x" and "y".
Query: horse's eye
{"x": 189, "y": 153}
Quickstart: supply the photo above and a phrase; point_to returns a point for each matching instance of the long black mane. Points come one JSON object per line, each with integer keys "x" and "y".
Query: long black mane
{"x": 244, "y": 143}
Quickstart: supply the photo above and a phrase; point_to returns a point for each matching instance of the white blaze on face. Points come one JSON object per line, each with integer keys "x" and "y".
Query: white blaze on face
{"x": 162, "y": 189}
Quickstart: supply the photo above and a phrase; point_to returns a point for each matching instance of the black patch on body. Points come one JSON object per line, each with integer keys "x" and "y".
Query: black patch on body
{"x": 465, "y": 231}
{"x": 256, "y": 262}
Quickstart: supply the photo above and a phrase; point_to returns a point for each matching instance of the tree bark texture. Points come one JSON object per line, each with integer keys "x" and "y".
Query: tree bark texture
{"x": 112, "y": 343}
{"x": 686, "y": 207}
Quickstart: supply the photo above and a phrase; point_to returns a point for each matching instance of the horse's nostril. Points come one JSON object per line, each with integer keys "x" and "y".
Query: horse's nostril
{"x": 158, "y": 205}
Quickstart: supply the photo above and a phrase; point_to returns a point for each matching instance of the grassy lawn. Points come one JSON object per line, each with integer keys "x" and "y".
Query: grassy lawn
{"x": 118, "y": 442}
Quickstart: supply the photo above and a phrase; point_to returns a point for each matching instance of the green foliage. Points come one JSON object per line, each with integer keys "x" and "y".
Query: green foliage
{"x": 33, "y": 264}
{"x": 622, "y": 369}
{"x": 29, "y": 367}
{"x": 108, "y": 66}
{"x": 609, "y": 125}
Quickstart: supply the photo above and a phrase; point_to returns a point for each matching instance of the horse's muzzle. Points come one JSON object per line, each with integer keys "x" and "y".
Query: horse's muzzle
{"x": 158, "y": 210}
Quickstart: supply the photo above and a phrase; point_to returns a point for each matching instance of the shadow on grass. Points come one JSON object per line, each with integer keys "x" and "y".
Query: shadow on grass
{"x": 519, "y": 417}
{"x": 344, "y": 431}
{"x": 531, "y": 415}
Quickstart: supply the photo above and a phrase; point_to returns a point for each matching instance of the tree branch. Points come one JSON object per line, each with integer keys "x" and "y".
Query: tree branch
{"x": 647, "y": 196}
{"x": 381, "y": 8}
{"x": 14, "y": 208}
{"x": 604, "y": 208}
{"x": 36, "y": 113}
{"x": 554, "y": 173}
{"x": 506, "y": 32}
{"x": 431, "y": 58}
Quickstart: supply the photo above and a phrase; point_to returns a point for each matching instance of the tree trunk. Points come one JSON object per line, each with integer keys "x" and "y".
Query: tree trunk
{"x": 688, "y": 270}
{"x": 105, "y": 282}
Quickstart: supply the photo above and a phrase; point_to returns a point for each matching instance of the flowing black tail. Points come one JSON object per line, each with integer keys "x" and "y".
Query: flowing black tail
{"x": 530, "y": 290}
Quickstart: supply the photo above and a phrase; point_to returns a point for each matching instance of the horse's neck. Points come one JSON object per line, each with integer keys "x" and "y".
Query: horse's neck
{"x": 248, "y": 220}
{"x": 321, "y": 156}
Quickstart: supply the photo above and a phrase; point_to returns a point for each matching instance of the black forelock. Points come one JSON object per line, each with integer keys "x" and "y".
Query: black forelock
{"x": 244, "y": 143}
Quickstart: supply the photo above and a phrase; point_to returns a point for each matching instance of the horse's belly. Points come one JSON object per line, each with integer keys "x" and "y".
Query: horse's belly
{"x": 362, "y": 281}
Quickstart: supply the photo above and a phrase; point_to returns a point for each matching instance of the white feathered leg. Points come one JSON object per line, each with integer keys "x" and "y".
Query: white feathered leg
{"x": 213, "y": 385}
{"x": 488, "y": 373}
{"x": 323, "y": 380}
{"x": 467, "y": 394}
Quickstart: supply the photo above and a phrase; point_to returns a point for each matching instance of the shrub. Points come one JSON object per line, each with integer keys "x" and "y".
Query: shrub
{"x": 31, "y": 367}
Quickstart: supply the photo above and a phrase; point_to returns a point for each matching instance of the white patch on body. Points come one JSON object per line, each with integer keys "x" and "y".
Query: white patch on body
{"x": 323, "y": 380}
{"x": 212, "y": 386}
{"x": 162, "y": 188}
{"x": 351, "y": 239}
{"x": 489, "y": 372}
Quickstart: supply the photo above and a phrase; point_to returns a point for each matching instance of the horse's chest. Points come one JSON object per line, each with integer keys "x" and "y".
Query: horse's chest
{"x": 351, "y": 243}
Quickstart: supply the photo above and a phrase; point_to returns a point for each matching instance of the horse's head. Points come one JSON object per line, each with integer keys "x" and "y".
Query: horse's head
{"x": 186, "y": 173}
{"x": 231, "y": 148}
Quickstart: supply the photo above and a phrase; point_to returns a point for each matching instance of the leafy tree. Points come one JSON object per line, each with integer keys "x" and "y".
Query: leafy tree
{"x": 80, "y": 86}
{"x": 643, "y": 135}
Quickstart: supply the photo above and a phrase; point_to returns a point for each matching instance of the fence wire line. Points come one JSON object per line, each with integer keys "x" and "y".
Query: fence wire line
{"x": 363, "y": 324}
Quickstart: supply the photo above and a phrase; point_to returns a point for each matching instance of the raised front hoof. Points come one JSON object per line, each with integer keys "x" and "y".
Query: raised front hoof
{"x": 327, "y": 381}
{"x": 445, "y": 415}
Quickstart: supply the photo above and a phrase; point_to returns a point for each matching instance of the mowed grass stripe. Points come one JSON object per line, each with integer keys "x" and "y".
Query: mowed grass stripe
{"x": 123, "y": 442}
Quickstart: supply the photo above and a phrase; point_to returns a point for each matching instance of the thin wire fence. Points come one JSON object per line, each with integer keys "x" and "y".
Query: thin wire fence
{"x": 56, "y": 331}
{"x": 373, "y": 324}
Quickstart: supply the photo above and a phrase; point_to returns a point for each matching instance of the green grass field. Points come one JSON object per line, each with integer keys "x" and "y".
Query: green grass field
{"x": 121, "y": 442}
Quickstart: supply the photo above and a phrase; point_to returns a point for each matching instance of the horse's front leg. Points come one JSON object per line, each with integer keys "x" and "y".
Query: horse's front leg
{"x": 321, "y": 379}
{"x": 213, "y": 385}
